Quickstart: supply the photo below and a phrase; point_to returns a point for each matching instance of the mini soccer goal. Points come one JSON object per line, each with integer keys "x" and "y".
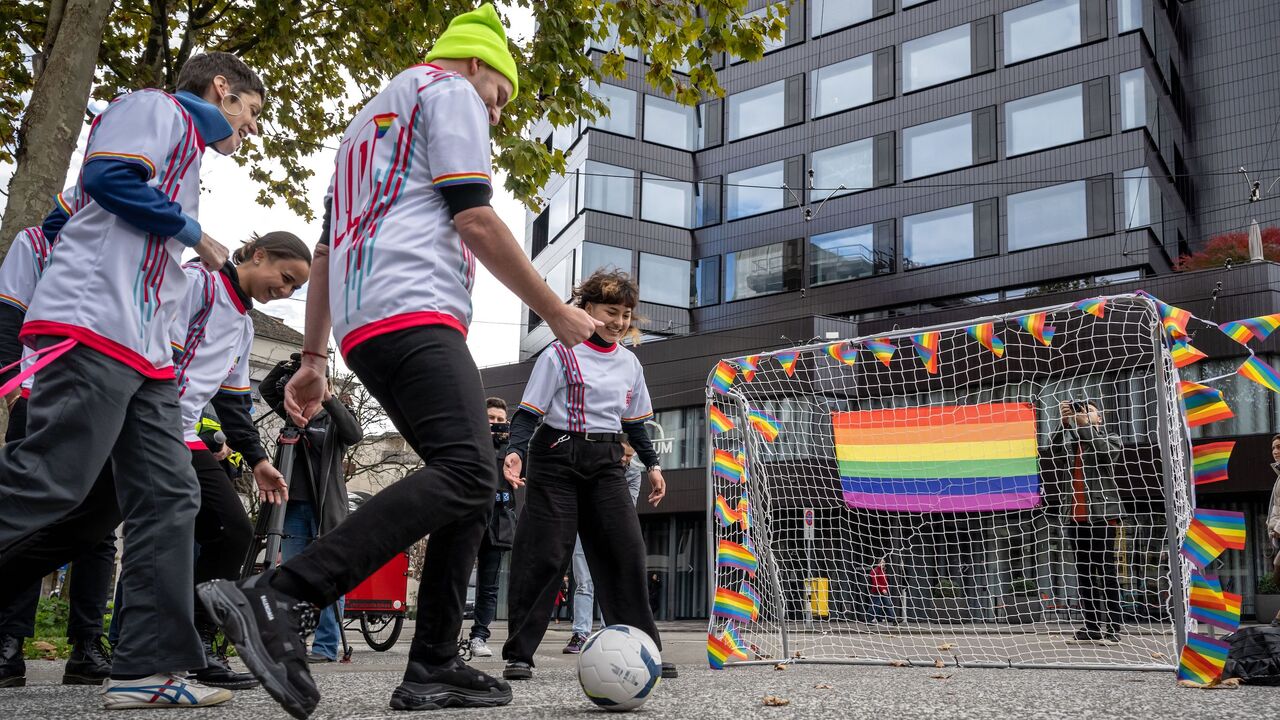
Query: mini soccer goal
{"x": 1005, "y": 492}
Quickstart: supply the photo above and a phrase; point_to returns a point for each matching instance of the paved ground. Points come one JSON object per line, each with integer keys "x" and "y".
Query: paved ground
{"x": 361, "y": 690}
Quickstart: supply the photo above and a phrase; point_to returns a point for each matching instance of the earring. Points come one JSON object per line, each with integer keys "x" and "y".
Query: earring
{"x": 237, "y": 100}
{"x": 257, "y": 262}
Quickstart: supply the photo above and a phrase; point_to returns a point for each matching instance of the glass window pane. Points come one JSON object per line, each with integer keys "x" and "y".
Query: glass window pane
{"x": 670, "y": 123}
{"x": 564, "y": 206}
{"x": 560, "y": 280}
{"x": 1133, "y": 99}
{"x": 911, "y": 3}
{"x": 828, "y": 15}
{"x": 594, "y": 256}
{"x": 754, "y": 190}
{"x": 1041, "y": 28}
{"x": 664, "y": 280}
{"x": 842, "y": 255}
{"x": 938, "y": 146}
{"x": 1137, "y": 198}
{"x": 849, "y": 165}
{"x": 843, "y": 85}
{"x": 757, "y": 110}
{"x": 608, "y": 188}
{"x": 763, "y": 270}
{"x": 935, "y": 59}
{"x": 666, "y": 201}
{"x": 621, "y": 103}
{"x": 937, "y": 237}
{"x": 610, "y": 42}
{"x": 562, "y": 138}
{"x": 1130, "y": 12}
{"x": 706, "y": 281}
{"x": 1044, "y": 120}
{"x": 1048, "y": 215}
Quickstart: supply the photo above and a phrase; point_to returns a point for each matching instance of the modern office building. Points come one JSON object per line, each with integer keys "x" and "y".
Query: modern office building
{"x": 902, "y": 163}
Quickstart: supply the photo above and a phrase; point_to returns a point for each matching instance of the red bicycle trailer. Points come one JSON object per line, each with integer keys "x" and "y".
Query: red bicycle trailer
{"x": 379, "y": 604}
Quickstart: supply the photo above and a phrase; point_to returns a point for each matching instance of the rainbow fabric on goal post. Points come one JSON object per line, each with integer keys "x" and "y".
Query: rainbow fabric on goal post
{"x": 1209, "y": 461}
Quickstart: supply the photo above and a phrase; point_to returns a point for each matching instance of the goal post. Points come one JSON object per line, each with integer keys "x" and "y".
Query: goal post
{"x": 1009, "y": 491}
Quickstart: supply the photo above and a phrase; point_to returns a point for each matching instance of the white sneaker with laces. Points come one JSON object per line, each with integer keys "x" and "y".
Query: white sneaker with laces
{"x": 163, "y": 690}
{"x": 479, "y": 648}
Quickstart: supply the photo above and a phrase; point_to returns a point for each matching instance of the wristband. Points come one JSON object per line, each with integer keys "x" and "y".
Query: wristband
{"x": 322, "y": 356}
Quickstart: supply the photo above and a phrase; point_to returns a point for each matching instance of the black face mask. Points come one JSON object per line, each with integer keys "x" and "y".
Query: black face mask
{"x": 500, "y": 433}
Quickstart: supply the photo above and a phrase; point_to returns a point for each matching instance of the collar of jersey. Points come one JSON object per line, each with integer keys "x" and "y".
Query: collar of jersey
{"x": 231, "y": 279}
{"x": 209, "y": 121}
{"x": 597, "y": 343}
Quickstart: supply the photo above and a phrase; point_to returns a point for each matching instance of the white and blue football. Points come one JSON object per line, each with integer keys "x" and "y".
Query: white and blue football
{"x": 619, "y": 667}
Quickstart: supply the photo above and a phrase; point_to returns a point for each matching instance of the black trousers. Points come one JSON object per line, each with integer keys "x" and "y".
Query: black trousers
{"x": 575, "y": 487}
{"x": 425, "y": 379}
{"x": 1095, "y": 560}
{"x": 223, "y": 531}
{"x": 488, "y": 565}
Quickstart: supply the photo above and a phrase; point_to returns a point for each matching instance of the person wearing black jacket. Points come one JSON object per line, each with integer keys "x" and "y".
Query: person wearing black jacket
{"x": 497, "y": 537}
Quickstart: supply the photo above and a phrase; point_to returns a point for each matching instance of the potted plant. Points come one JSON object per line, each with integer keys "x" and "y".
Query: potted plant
{"x": 1022, "y": 605}
{"x": 1266, "y": 602}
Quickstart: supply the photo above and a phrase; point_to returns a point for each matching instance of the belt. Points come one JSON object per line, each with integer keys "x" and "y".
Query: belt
{"x": 603, "y": 437}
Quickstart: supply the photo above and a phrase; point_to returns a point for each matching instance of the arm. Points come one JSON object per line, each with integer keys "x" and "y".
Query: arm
{"x": 10, "y": 348}
{"x": 1098, "y": 440}
{"x": 523, "y": 423}
{"x": 237, "y": 425}
{"x": 345, "y": 426}
{"x": 638, "y": 436}
{"x": 305, "y": 391}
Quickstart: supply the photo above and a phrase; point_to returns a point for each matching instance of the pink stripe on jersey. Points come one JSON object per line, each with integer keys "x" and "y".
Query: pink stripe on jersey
{"x": 399, "y": 322}
{"x": 106, "y": 346}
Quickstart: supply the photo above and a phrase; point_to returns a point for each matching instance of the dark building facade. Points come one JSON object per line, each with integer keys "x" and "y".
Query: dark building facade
{"x": 903, "y": 163}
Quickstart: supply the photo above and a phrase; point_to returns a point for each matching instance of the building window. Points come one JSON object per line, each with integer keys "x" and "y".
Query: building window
{"x": 706, "y": 281}
{"x": 1133, "y": 99}
{"x": 1137, "y": 198}
{"x": 1251, "y": 402}
{"x": 937, "y": 58}
{"x": 829, "y": 15}
{"x": 937, "y": 237}
{"x": 666, "y": 201}
{"x": 850, "y": 165}
{"x": 682, "y": 441}
{"x": 670, "y": 123}
{"x": 763, "y": 270}
{"x": 843, "y": 85}
{"x": 610, "y": 42}
{"x": 563, "y": 137}
{"x": 1130, "y": 12}
{"x": 594, "y": 256}
{"x": 1044, "y": 121}
{"x": 843, "y": 255}
{"x": 664, "y": 280}
{"x": 755, "y": 190}
{"x": 757, "y": 110}
{"x": 563, "y": 206}
{"x": 1041, "y": 28}
{"x": 621, "y": 104}
{"x": 1047, "y": 216}
{"x": 938, "y": 146}
{"x": 560, "y": 279}
{"x": 912, "y": 3}
{"x": 607, "y": 188}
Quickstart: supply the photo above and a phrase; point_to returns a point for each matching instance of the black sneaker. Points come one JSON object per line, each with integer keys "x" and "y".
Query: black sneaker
{"x": 267, "y": 626}
{"x": 1110, "y": 636}
{"x": 669, "y": 671}
{"x": 575, "y": 644}
{"x": 217, "y": 671}
{"x": 89, "y": 664}
{"x": 517, "y": 670}
{"x": 1085, "y": 637}
{"x": 450, "y": 684}
{"x": 13, "y": 669}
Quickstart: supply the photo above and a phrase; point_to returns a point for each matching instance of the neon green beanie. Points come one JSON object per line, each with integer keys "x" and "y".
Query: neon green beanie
{"x": 478, "y": 34}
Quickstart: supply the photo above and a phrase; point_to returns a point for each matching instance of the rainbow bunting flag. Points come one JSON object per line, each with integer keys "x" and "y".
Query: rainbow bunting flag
{"x": 1093, "y": 306}
{"x": 750, "y": 594}
{"x": 1184, "y": 354}
{"x": 1261, "y": 373}
{"x": 1258, "y": 328}
{"x": 723, "y": 378}
{"x": 1034, "y": 324}
{"x": 1203, "y": 404}
{"x": 720, "y": 423}
{"x": 764, "y": 423}
{"x": 1227, "y": 525}
{"x": 726, "y": 515}
{"x": 734, "y": 639}
{"x": 734, "y": 606}
{"x": 1202, "y": 659}
{"x": 788, "y": 361}
{"x": 726, "y": 466}
{"x": 986, "y": 334}
{"x": 744, "y": 511}
{"x": 1206, "y": 592}
{"x": 1201, "y": 545}
{"x": 1174, "y": 319}
{"x": 882, "y": 349}
{"x": 1209, "y": 461}
{"x": 748, "y": 365}
{"x": 730, "y": 554}
{"x": 926, "y": 345}
{"x": 1227, "y": 619}
{"x": 943, "y": 458}
{"x": 843, "y": 351}
{"x": 719, "y": 650}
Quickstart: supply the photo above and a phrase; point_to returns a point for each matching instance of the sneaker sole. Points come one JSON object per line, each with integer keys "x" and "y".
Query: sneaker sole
{"x": 437, "y": 696}
{"x": 213, "y": 699}
{"x": 567, "y": 651}
{"x": 249, "y": 684}
{"x": 482, "y": 655}
{"x": 229, "y": 606}
{"x": 517, "y": 674}
{"x": 77, "y": 679}
{"x": 13, "y": 682}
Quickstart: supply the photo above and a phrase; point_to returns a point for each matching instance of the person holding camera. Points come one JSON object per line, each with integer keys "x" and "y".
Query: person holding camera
{"x": 497, "y": 537}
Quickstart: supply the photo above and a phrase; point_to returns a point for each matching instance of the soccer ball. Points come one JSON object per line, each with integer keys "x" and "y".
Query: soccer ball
{"x": 619, "y": 667}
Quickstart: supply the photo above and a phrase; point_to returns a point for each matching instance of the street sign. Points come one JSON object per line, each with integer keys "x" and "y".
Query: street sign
{"x": 808, "y": 524}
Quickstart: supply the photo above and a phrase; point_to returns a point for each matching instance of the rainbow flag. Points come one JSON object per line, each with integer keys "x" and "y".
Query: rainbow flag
{"x": 986, "y": 334}
{"x": 1034, "y": 324}
{"x": 764, "y": 423}
{"x": 1184, "y": 354}
{"x": 734, "y": 606}
{"x": 1261, "y": 373}
{"x": 945, "y": 458}
{"x": 749, "y": 593}
{"x": 1093, "y": 306}
{"x": 1227, "y": 525}
{"x": 1203, "y": 404}
{"x": 788, "y": 361}
{"x": 1201, "y": 545}
{"x": 1258, "y": 328}
{"x": 722, "y": 380}
{"x": 720, "y": 423}
{"x": 1209, "y": 461}
{"x": 744, "y": 511}
{"x": 383, "y": 123}
{"x": 734, "y": 639}
{"x": 843, "y": 351}
{"x": 730, "y": 554}
{"x": 1174, "y": 319}
{"x": 726, "y": 515}
{"x": 1227, "y": 619}
{"x": 748, "y": 365}
{"x": 719, "y": 651}
{"x": 1202, "y": 659}
{"x": 1206, "y": 592}
{"x": 726, "y": 467}
{"x": 882, "y": 349}
{"x": 926, "y": 345}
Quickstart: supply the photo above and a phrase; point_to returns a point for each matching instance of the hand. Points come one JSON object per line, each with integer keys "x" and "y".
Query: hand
{"x": 658, "y": 486}
{"x": 304, "y": 393}
{"x": 271, "y": 485}
{"x": 223, "y": 453}
{"x": 1067, "y": 412}
{"x": 211, "y": 252}
{"x": 512, "y": 466}
{"x": 573, "y": 325}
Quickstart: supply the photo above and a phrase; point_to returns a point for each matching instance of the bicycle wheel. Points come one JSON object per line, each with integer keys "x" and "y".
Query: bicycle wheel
{"x": 381, "y": 631}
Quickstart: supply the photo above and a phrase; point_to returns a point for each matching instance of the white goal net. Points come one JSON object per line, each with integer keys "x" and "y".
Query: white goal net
{"x": 1004, "y": 492}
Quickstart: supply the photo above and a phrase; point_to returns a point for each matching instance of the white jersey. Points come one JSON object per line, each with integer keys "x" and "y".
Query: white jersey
{"x": 115, "y": 288}
{"x": 211, "y": 342}
{"x": 23, "y": 265}
{"x": 396, "y": 259}
{"x": 588, "y": 388}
